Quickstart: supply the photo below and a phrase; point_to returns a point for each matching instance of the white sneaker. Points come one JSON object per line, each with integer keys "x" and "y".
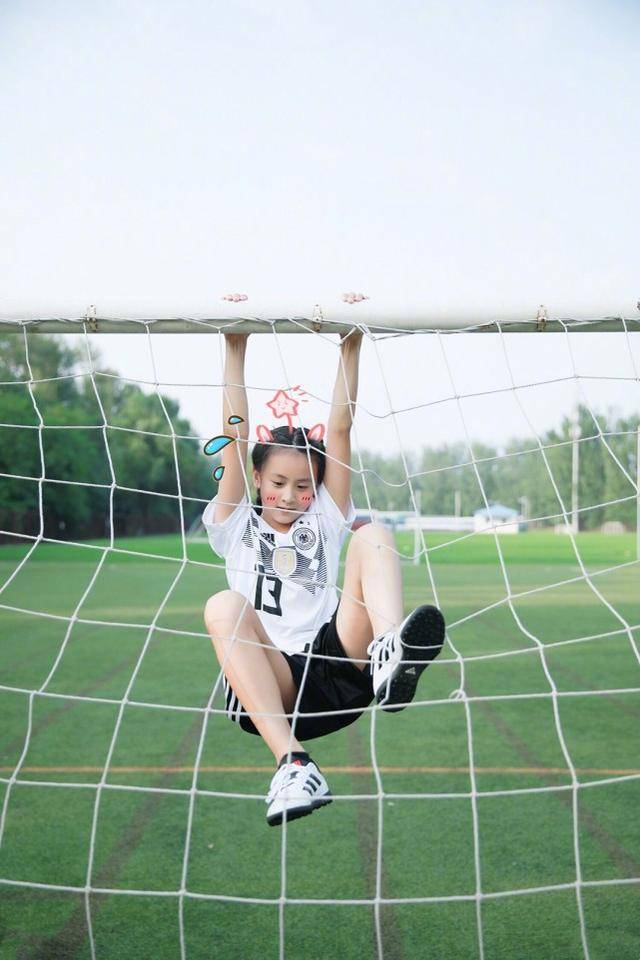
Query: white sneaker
{"x": 297, "y": 789}
{"x": 399, "y": 656}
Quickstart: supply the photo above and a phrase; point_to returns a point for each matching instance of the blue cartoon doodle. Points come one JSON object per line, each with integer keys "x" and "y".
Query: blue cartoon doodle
{"x": 216, "y": 444}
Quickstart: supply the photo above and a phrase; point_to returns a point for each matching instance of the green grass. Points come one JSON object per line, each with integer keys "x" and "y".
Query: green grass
{"x": 536, "y": 547}
{"x": 526, "y": 840}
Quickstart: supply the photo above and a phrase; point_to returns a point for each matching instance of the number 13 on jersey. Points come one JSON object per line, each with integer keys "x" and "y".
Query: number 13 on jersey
{"x": 272, "y": 587}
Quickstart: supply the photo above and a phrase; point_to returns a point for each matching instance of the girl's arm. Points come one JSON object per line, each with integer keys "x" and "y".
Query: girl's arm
{"x": 232, "y": 486}
{"x": 337, "y": 477}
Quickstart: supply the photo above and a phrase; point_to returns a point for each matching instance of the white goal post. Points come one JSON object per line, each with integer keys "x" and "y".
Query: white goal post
{"x": 329, "y": 314}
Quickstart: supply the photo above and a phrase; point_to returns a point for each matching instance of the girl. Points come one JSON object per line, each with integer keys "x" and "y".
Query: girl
{"x": 297, "y": 663}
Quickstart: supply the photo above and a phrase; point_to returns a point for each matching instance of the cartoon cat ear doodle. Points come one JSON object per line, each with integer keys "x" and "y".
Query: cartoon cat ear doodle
{"x": 264, "y": 434}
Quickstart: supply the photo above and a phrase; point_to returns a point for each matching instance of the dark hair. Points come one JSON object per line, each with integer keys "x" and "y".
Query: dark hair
{"x": 297, "y": 437}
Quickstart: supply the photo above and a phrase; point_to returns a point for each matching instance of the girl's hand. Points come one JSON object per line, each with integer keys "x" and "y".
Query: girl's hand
{"x": 354, "y": 297}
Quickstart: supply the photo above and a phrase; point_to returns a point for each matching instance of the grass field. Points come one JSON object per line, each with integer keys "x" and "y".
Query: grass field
{"x": 525, "y": 839}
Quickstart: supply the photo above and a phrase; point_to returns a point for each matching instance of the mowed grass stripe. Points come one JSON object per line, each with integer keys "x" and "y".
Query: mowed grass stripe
{"x": 537, "y": 547}
{"x": 367, "y": 827}
{"x": 614, "y": 850}
{"x": 73, "y": 934}
{"x": 356, "y": 770}
{"x": 59, "y": 710}
{"x": 419, "y": 749}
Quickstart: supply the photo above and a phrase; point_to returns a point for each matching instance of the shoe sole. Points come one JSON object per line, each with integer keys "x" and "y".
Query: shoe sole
{"x": 422, "y": 637}
{"x": 277, "y": 818}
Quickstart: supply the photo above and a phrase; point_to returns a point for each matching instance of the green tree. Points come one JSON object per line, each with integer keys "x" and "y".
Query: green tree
{"x": 623, "y": 442}
{"x": 76, "y": 447}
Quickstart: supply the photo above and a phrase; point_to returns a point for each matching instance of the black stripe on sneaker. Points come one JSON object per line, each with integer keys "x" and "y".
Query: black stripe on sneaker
{"x": 425, "y": 623}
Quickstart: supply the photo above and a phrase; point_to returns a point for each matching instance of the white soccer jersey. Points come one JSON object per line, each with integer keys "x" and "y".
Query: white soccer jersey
{"x": 288, "y": 577}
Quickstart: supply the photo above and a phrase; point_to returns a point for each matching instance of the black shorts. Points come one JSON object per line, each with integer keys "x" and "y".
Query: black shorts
{"x": 327, "y": 686}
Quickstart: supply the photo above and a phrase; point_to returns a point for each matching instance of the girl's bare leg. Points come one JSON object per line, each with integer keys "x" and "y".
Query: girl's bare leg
{"x": 257, "y": 671}
{"x": 371, "y": 601}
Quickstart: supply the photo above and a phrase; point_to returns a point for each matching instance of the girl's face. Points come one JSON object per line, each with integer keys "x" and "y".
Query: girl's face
{"x": 285, "y": 486}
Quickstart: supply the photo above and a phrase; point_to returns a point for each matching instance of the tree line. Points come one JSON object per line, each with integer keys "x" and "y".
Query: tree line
{"x": 529, "y": 477}
{"x": 83, "y": 457}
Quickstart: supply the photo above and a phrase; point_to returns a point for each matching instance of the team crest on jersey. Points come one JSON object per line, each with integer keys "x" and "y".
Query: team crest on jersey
{"x": 284, "y": 561}
{"x": 304, "y": 538}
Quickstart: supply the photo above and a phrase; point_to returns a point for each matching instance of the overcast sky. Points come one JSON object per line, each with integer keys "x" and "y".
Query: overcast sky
{"x": 445, "y": 157}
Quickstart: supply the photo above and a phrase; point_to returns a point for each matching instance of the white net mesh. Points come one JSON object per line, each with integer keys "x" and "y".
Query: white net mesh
{"x": 513, "y": 617}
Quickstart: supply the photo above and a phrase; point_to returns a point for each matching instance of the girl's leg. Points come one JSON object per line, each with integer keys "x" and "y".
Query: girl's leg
{"x": 371, "y": 600}
{"x": 257, "y": 671}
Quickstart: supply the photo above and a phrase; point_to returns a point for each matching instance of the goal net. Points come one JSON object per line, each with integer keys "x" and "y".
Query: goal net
{"x": 494, "y": 817}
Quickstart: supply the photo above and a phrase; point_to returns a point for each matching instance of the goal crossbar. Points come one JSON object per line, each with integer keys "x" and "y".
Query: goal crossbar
{"x": 320, "y": 321}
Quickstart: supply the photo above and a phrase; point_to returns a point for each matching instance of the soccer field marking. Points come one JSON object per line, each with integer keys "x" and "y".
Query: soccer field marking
{"x": 362, "y": 770}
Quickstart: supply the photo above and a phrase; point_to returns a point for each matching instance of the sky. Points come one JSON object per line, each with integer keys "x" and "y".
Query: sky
{"x": 446, "y": 159}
